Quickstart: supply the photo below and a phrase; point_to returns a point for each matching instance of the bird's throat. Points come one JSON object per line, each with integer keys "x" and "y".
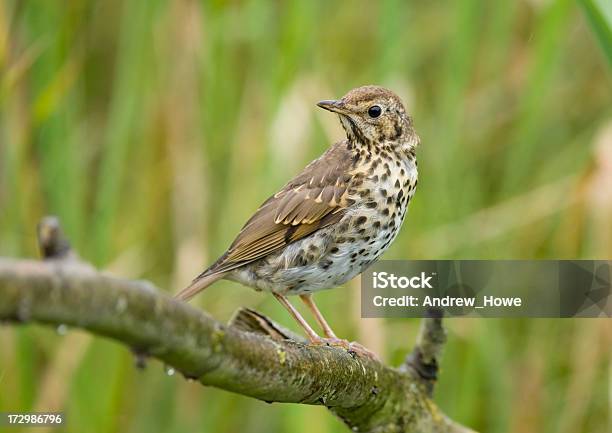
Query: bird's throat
{"x": 354, "y": 135}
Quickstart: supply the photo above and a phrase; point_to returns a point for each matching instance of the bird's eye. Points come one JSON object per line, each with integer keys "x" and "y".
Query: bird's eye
{"x": 374, "y": 111}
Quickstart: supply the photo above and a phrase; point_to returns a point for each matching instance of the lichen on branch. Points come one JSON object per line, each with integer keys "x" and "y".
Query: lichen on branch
{"x": 251, "y": 355}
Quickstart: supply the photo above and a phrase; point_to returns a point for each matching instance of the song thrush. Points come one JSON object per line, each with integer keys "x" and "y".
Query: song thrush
{"x": 327, "y": 224}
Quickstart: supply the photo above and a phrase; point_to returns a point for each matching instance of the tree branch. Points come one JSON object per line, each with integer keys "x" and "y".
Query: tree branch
{"x": 252, "y": 355}
{"x": 425, "y": 356}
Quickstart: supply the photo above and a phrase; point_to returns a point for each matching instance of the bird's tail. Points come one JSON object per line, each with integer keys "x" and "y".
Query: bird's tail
{"x": 197, "y": 285}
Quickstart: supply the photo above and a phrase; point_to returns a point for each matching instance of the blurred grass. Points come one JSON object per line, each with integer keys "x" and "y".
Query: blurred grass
{"x": 599, "y": 14}
{"x": 154, "y": 129}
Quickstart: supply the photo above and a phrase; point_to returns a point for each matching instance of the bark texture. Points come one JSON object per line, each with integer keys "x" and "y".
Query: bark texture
{"x": 251, "y": 355}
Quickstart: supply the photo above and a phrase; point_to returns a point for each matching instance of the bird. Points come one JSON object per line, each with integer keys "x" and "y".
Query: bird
{"x": 335, "y": 218}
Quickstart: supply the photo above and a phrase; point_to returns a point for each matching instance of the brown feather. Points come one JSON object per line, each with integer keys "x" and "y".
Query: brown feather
{"x": 197, "y": 285}
{"x": 312, "y": 200}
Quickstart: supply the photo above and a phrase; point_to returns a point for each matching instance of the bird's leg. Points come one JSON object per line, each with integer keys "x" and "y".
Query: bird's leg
{"x": 330, "y": 336}
{"x": 312, "y": 335}
{"x": 314, "y": 338}
{"x": 307, "y": 299}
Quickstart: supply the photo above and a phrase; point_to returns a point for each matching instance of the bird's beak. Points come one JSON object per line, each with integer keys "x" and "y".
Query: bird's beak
{"x": 335, "y": 106}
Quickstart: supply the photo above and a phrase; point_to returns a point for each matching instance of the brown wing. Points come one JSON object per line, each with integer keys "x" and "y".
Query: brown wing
{"x": 314, "y": 199}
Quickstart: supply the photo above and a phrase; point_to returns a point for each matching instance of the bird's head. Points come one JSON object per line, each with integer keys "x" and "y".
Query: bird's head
{"x": 373, "y": 115}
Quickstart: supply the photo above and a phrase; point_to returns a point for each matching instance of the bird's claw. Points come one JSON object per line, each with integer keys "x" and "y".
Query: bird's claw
{"x": 360, "y": 349}
{"x": 352, "y": 347}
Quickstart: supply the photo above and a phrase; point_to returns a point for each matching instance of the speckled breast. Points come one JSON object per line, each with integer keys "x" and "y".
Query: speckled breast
{"x": 381, "y": 202}
{"x": 378, "y": 197}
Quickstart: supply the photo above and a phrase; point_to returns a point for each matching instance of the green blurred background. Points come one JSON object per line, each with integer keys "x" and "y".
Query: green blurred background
{"x": 154, "y": 128}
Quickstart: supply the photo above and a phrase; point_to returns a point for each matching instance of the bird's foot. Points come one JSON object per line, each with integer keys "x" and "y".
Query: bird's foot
{"x": 351, "y": 346}
{"x": 361, "y": 350}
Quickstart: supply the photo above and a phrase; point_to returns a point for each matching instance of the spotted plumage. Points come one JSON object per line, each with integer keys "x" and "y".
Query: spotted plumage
{"x": 337, "y": 216}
